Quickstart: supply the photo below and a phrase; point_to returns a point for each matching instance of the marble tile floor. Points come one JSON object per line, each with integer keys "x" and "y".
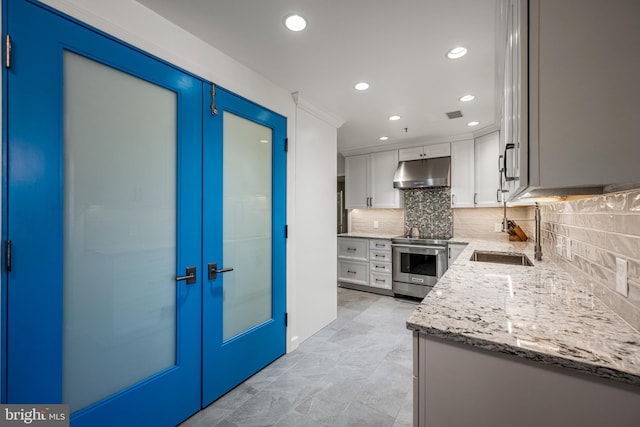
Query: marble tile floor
{"x": 354, "y": 372}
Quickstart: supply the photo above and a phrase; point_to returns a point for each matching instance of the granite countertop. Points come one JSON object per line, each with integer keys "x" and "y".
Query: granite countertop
{"x": 369, "y": 235}
{"x": 537, "y": 313}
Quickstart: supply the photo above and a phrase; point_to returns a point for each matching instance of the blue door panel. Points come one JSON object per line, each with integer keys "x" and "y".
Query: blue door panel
{"x": 226, "y": 364}
{"x": 33, "y": 221}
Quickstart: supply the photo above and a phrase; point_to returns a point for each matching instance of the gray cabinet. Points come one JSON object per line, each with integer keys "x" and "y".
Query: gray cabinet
{"x": 453, "y": 251}
{"x": 365, "y": 264}
{"x": 582, "y": 90}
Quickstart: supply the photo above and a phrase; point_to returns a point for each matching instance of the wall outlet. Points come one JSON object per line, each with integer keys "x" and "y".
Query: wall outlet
{"x": 497, "y": 227}
{"x": 622, "y": 286}
{"x": 559, "y": 245}
{"x": 375, "y": 224}
{"x": 569, "y": 250}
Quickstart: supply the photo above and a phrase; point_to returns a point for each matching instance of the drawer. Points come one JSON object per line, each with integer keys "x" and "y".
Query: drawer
{"x": 352, "y": 248}
{"x": 380, "y": 280}
{"x": 380, "y": 267}
{"x": 380, "y": 245}
{"x": 353, "y": 272}
{"x": 379, "y": 256}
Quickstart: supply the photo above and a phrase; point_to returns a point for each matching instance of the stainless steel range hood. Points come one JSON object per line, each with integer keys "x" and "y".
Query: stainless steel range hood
{"x": 423, "y": 173}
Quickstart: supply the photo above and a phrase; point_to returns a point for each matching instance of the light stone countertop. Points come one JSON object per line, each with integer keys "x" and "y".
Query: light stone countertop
{"x": 369, "y": 235}
{"x": 537, "y": 313}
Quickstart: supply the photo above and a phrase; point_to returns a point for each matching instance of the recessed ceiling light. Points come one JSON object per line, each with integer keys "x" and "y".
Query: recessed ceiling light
{"x": 361, "y": 86}
{"x": 467, "y": 98}
{"x": 384, "y": 138}
{"x": 264, "y": 141}
{"x": 474, "y": 123}
{"x": 295, "y": 22}
{"x": 394, "y": 117}
{"x": 457, "y": 52}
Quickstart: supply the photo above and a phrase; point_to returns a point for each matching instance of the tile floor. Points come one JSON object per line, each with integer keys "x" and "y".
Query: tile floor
{"x": 354, "y": 372}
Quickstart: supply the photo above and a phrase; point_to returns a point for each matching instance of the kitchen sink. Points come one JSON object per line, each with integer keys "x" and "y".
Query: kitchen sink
{"x": 513, "y": 258}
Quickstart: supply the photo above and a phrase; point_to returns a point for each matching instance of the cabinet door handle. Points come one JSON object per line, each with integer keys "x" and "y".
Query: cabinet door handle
{"x": 453, "y": 199}
{"x": 449, "y": 252}
{"x": 510, "y": 146}
{"x": 475, "y": 198}
{"x": 500, "y": 168}
{"x": 498, "y": 195}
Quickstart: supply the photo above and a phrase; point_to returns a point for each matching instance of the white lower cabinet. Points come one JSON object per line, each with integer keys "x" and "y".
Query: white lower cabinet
{"x": 454, "y": 250}
{"x": 365, "y": 264}
{"x": 356, "y": 272}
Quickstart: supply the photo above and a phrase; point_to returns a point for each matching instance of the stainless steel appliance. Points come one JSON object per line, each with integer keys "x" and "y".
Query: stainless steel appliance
{"x": 417, "y": 264}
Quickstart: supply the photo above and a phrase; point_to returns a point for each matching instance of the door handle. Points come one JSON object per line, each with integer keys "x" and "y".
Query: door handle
{"x": 212, "y": 269}
{"x": 190, "y": 276}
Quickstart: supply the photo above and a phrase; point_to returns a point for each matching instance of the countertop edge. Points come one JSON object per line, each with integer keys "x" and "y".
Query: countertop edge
{"x": 531, "y": 355}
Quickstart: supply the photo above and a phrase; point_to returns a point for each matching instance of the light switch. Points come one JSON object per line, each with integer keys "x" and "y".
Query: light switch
{"x": 375, "y": 224}
{"x": 621, "y": 277}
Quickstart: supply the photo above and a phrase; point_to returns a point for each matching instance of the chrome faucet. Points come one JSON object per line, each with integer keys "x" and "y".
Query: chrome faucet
{"x": 538, "y": 247}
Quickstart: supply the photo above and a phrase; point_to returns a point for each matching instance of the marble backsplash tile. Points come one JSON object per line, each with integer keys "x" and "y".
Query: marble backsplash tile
{"x": 388, "y": 221}
{"x": 429, "y": 209}
{"x": 600, "y": 229}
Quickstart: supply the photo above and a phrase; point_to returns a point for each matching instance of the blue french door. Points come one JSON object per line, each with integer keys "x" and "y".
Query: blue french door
{"x": 147, "y": 235}
{"x": 104, "y": 214}
{"x": 244, "y": 196}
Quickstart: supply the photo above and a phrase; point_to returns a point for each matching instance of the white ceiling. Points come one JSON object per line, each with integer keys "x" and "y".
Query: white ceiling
{"x": 398, "y": 47}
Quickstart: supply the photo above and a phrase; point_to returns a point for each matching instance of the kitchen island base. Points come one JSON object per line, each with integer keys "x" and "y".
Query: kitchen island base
{"x": 458, "y": 385}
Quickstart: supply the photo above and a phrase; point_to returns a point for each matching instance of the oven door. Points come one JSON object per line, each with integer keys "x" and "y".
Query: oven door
{"x": 419, "y": 265}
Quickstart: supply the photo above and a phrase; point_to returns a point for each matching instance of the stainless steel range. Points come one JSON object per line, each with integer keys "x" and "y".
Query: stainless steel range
{"x": 418, "y": 264}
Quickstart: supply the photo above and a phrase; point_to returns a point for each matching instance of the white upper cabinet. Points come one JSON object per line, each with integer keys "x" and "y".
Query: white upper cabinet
{"x": 425, "y": 152}
{"x": 487, "y": 168}
{"x": 582, "y": 109}
{"x": 369, "y": 181}
{"x": 356, "y": 178}
{"x": 462, "y": 174}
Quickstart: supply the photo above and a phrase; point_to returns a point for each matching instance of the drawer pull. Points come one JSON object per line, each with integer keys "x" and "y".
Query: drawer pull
{"x": 379, "y": 256}
{"x": 378, "y": 245}
{"x": 380, "y": 267}
{"x": 380, "y": 280}
{"x": 351, "y": 249}
{"x": 351, "y": 272}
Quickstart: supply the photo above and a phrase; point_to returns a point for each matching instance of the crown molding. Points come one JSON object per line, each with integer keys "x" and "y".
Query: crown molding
{"x": 318, "y": 112}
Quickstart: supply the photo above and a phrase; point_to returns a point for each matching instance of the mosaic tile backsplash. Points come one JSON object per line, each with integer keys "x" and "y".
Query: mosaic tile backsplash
{"x": 600, "y": 229}
{"x": 429, "y": 209}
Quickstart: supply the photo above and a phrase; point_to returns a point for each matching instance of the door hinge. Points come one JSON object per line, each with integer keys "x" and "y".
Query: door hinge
{"x": 286, "y": 145}
{"x": 214, "y": 110}
{"x": 7, "y": 51}
{"x": 286, "y": 320}
{"x": 286, "y": 231}
{"x": 7, "y": 256}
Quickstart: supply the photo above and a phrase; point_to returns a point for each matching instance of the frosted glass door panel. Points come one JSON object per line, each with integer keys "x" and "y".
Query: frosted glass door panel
{"x": 119, "y": 230}
{"x": 247, "y": 224}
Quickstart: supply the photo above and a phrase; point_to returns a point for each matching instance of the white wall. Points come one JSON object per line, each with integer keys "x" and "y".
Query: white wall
{"x": 140, "y": 27}
{"x": 315, "y": 233}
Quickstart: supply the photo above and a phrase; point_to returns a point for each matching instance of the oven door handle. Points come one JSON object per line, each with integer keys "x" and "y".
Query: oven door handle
{"x": 435, "y": 248}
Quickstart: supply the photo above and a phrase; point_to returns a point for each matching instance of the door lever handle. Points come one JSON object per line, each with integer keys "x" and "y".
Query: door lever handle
{"x": 213, "y": 271}
{"x": 190, "y": 276}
